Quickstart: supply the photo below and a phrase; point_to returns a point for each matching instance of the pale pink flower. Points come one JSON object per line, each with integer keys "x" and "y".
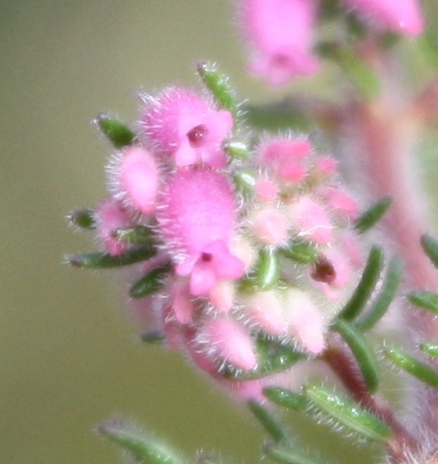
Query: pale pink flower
{"x": 306, "y": 321}
{"x": 403, "y": 16}
{"x": 340, "y": 201}
{"x": 110, "y": 216}
{"x": 281, "y": 34}
{"x": 229, "y": 341}
{"x": 186, "y": 127}
{"x": 268, "y": 311}
{"x": 136, "y": 179}
{"x": 213, "y": 264}
{"x": 310, "y": 220}
{"x": 269, "y": 226}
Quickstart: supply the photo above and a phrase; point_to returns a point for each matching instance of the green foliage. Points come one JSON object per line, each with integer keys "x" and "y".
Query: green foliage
{"x": 369, "y": 218}
{"x": 98, "y": 260}
{"x": 150, "y": 283}
{"x": 118, "y": 133}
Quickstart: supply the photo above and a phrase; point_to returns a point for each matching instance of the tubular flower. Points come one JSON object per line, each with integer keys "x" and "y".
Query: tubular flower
{"x": 181, "y": 125}
{"x": 402, "y": 16}
{"x": 280, "y": 33}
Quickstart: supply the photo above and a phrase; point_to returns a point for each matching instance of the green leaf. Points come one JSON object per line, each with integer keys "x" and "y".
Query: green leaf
{"x": 118, "y": 133}
{"x": 348, "y": 413}
{"x": 136, "y": 235}
{"x": 366, "y": 286}
{"x": 237, "y": 150}
{"x": 273, "y": 357}
{"x": 83, "y": 218}
{"x": 430, "y": 247}
{"x": 153, "y": 336}
{"x": 244, "y": 180}
{"x": 142, "y": 447}
{"x": 288, "y": 455}
{"x": 359, "y": 73}
{"x": 418, "y": 369}
{"x": 282, "y": 115}
{"x": 430, "y": 348}
{"x": 362, "y": 352}
{"x": 425, "y": 300}
{"x": 97, "y": 260}
{"x": 287, "y": 398}
{"x": 268, "y": 421}
{"x": 267, "y": 269}
{"x": 150, "y": 283}
{"x": 219, "y": 86}
{"x": 385, "y": 296}
{"x": 373, "y": 214}
{"x": 300, "y": 252}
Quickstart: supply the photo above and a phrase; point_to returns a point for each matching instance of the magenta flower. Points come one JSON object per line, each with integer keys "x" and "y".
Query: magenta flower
{"x": 197, "y": 223}
{"x": 403, "y": 16}
{"x": 281, "y": 34}
{"x": 180, "y": 124}
{"x": 213, "y": 264}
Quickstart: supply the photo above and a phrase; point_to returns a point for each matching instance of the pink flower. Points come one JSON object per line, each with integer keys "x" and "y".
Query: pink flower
{"x": 213, "y": 264}
{"x": 229, "y": 341}
{"x": 197, "y": 222}
{"x": 180, "y": 124}
{"x": 403, "y": 16}
{"x": 110, "y": 216}
{"x": 137, "y": 179}
{"x": 286, "y": 157}
{"x": 281, "y": 33}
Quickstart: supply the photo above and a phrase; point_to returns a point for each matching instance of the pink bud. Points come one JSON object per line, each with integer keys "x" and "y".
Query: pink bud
{"x": 197, "y": 208}
{"x": 110, "y": 215}
{"x": 138, "y": 178}
{"x": 306, "y": 321}
{"x": 268, "y": 311}
{"x": 266, "y": 190}
{"x": 269, "y": 226}
{"x": 310, "y": 220}
{"x": 286, "y": 158}
{"x": 340, "y": 202}
{"x": 230, "y": 341}
{"x": 180, "y": 124}
{"x": 181, "y": 301}
{"x": 403, "y": 16}
{"x": 281, "y": 33}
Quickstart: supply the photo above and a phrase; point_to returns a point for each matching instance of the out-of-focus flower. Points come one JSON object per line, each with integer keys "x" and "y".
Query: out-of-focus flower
{"x": 280, "y": 33}
{"x": 402, "y": 16}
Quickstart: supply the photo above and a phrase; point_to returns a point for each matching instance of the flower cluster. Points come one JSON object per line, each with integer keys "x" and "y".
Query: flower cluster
{"x": 281, "y": 33}
{"x": 231, "y": 245}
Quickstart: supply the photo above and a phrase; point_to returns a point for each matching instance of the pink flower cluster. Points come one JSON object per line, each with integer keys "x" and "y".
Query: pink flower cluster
{"x": 275, "y": 257}
{"x": 281, "y": 33}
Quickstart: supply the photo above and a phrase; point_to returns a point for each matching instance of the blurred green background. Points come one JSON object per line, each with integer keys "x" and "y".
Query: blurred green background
{"x": 69, "y": 354}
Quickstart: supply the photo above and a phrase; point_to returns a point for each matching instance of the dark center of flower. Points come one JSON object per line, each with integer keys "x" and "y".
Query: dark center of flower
{"x": 323, "y": 271}
{"x": 197, "y": 135}
{"x": 280, "y": 60}
{"x": 206, "y": 257}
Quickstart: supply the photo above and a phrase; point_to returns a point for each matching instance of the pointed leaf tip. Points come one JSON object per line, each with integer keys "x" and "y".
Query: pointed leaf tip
{"x": 430, "y": 247}
{"x": 425, "y": 300}
{"x": 118, "y": 133}
{"x": 142, "y": 447}
{"x": 373, "y": 214}
{"x": 98, "y": 260}
{"x": 217, "y": 83}
{"x": 348, "y": 413}
{"x": 418, "y": 369}
{"x": 268, "y": 421}
{"x": 83, "y": 218}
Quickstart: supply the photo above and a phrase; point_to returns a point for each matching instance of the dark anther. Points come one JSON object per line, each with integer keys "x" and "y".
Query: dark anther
{"x": 206, "y": 257}
{"x": 197, "y": 135}
{"x": 323, "y": 271}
